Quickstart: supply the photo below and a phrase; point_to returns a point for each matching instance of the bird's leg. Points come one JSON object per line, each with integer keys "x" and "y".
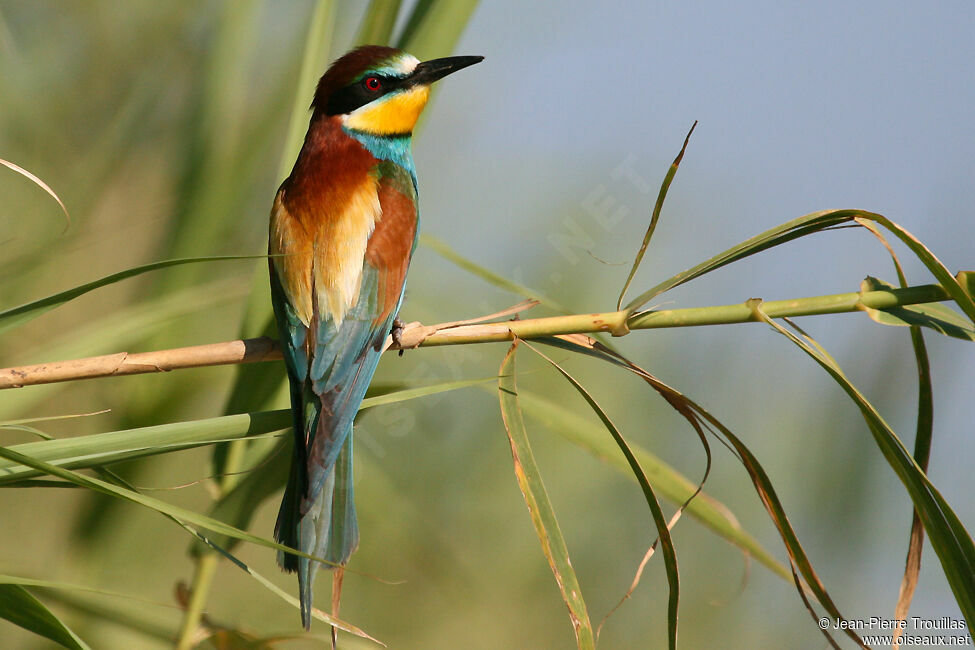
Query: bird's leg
{"x": 396, "y": 332}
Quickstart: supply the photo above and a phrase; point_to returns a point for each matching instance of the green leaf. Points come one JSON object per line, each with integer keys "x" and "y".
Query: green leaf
{"x": 15, "y": 316}
{"x": 54, "y": 584}
{"x": 238, "y": 504}
{"x": 420, "y": 10}
{"x": 50, "y": 418}
{"x": 660, "y": 522}
{"x": 378, "y": 22}
{"x": 114, "y": 446}
{"x": 966, "y": 280}
{"x": 166, "y": 509}
{"x": 118, "y": 608}
{"x": 421, "y": 391}
{"x": 273, "y": 588}
{"x": 124, "y": 328}
{"x": 673, "y": 485}
{"x": 536, "y": 498}
{"x": 807, "y": 225}
{"x": 922, "y": 448}
{"x": 658, "y": 206}
{"x": 181, "y": 516}
{"x": 922, "y": 453}
{"x": 948, "y": 536}
{"x": 18, "y": 606}
{"x": 936, "y": 316}
{"x": 254, "y": 387}
{"x": 435, "y": 26}
{"x": 318, "y": 42}
{"x": 176, "y": 515}
{"x": 950, "y": 283}
{"x": 699, "y": 417}
{"x": 444, "y": 250}
{"x": 788, "y": 231}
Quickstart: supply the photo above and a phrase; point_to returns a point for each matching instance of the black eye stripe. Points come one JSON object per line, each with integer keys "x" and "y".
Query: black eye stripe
{"x": 346, "y": 100}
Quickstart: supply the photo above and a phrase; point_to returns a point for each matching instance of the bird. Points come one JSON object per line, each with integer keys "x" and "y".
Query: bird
{"x": 343, "y": 229}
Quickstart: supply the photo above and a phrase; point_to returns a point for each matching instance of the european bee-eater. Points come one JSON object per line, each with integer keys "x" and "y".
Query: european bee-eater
{"x": 343, "y": 230}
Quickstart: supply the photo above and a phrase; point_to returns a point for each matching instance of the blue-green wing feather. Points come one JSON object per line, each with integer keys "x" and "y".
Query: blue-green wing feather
{"x": 317, "y": 514}
{"x": 328, "y": 383}
{"x": 292, "y": 334}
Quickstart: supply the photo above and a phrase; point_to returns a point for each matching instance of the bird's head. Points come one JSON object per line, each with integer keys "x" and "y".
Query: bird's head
{"x": 381, "y": 90}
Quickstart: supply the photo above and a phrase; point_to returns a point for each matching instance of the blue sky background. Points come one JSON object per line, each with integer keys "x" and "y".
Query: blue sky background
{"x": 802, "y": 107}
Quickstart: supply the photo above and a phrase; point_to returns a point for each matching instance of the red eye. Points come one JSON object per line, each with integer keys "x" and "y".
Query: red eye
{"x": 372, "y": 84}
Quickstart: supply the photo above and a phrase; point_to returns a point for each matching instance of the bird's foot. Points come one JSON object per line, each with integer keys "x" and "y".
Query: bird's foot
{"x": 396, "y": 332}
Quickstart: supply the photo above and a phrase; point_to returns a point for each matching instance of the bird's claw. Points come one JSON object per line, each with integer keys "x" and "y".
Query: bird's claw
{"x": 396, "y": 332}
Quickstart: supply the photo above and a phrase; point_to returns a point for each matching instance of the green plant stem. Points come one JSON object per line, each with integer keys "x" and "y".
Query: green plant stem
{"x": 206, "y": 565}
{"x": 832, "y": 304}
{"x": 417, "y": 335}
{"x": 690, "y": 317}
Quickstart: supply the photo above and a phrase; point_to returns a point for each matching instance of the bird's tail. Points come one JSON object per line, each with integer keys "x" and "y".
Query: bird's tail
{"x": 328, "y": 529}
{"x": 324, "y": 525}
{"x": 317, "y": 513}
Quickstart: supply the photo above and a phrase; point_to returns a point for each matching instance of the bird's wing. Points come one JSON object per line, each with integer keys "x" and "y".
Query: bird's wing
{"x": 331, "y": 363}
{"x": 345, "y": 355}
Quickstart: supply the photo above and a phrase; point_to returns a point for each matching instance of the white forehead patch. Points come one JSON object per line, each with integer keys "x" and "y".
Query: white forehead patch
{"x": 400, "y": 66}
{"x": 405, "y": 64}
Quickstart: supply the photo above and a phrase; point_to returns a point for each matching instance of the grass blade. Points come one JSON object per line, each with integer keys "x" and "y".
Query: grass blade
{"x": 67, "y": 586}
{"x": 807, "y": 225}
{"x": 922, "y": 453}
{"x": 444, "y": 250}
{"x": 19, "y": 606}
{"x": 663, "y": 528}
{"x": 104, "y": 448}
{"x": 253, "y": 387}
{"x": 658, "y": 206}
{"x": 539, "y": 506}
{"x": 378, "y": 22}
{"x": 15, "y": 316}
{"x": 50, "y": 418}
{"x": 435, "y": 26}
{"x": 114, "y": 446}
{"x": 91, "y": 602}
{"x": 41, "y": 184}
{"x": 788, "y": 231}
{"x": 181, "y": 516}
{"x": 163, "y": 508}
{"x": 238, "y": 504}
{"x": 950, "y": 283}
{"x": 331, "y": 620}
{"x": 666, "y": 480}
{"x": 699, "y": 417}
{"x": 317, "y": 45}
{"x": 923, "y": 434}
{"x": 948, "y": 536}
{"x": 938, "y": 317}
{"x": 420, "y": 10}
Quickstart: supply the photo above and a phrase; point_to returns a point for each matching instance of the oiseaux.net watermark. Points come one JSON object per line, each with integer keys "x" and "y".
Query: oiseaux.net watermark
{"x": 912, "y": 632}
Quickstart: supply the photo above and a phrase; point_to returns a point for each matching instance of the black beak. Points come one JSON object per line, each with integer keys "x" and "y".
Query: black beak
{"x": 429, "y": 71}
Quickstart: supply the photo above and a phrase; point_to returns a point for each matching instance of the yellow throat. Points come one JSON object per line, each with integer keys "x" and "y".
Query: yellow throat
{"x": 393, "y": 114}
